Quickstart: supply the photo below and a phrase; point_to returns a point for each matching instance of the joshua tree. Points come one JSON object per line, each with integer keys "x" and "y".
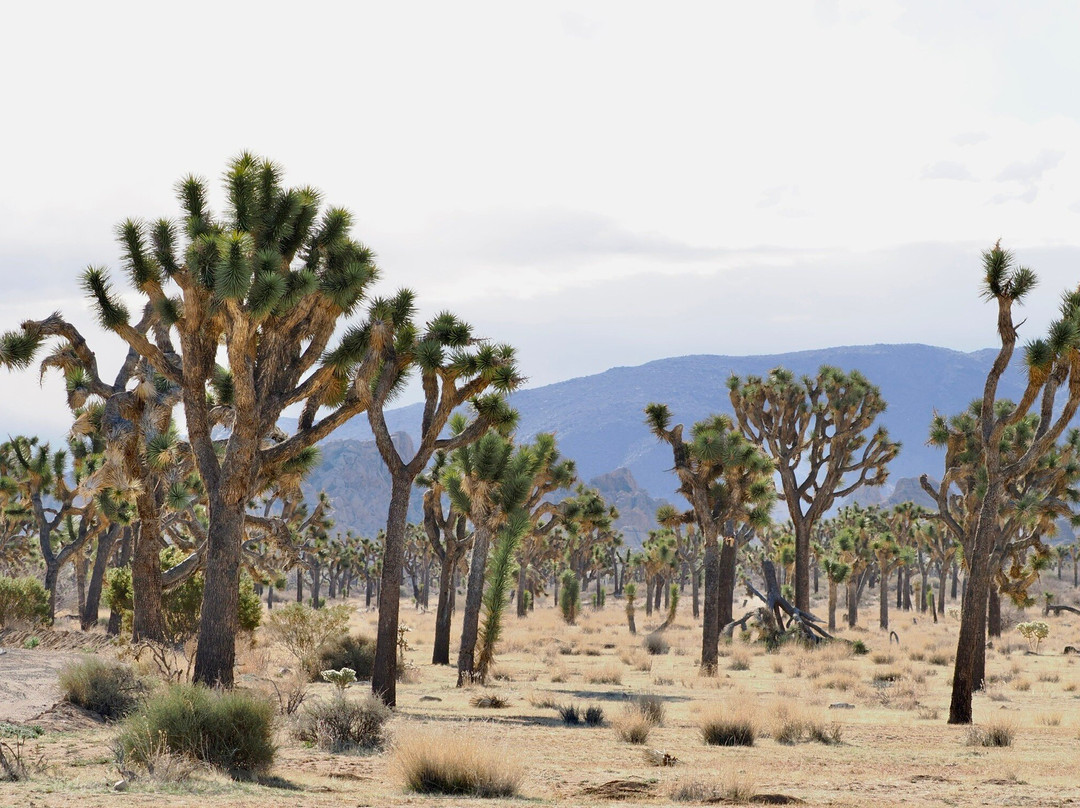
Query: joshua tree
{"x": 726, "y": 479}
{"x": 455, "y": 367}
{"x": 490, "y": 481}
{"x": 262, "y": 288}
{"x": 836, "y": 571}
{"x": 815, "y": 431}
{"x": 890, "y": 555}
{"x": 993, "y": 447}
{"x": 447, "y": 531}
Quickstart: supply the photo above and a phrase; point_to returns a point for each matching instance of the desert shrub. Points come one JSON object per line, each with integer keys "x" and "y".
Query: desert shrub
{"x": 730, "y": 790}
{"x": 489, "y": 702}
{"x": 740, "y": 661}
{"x": 570, "y": 714}
{"x": 858, "y": 647}
{"x": 22, "y": 599}
{"x": 570, "y": 597}
{"x": 652, "y": 707}
{"x": 632, "y": 725}
{"x": 594, "y": 715}
{"x": 793, "y": 725}
{"x": 181, "y": 606}
{"x": 305, "y": 631}
{"x": 354, "y": 651}
{"x": 939, "y": 658}
{"x": 109, "y": 689}
{"x": 439, "y": 762}
{"x": 655, "y": 644}
{"x": 230, "y": 729}
{"x": 342, "y": 724}
{"x": 995, "y": 734}
{"x": 608, "y": 675}
{"x": 728, "y": 728}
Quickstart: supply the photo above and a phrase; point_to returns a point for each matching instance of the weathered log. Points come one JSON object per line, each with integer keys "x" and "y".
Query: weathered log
{"x": 781, "y": 607}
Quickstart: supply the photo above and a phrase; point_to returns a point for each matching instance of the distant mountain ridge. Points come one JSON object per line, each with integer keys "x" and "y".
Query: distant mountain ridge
{"x": 599, "y": 419}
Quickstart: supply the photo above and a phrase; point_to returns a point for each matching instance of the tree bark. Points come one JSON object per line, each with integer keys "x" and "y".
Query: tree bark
{"x": 444, "y": 610}
{"x": 993, "y": 616}
{"x": 802, "y": 564}
{"x": 521, "y": 606}
{"x": 115, "y": 618}
{"x": 726, "y": 575}
{"x": 220, "y": 617}
{"x": 971, "y": 643}
{"x": 470, "y": 620}
{"x": 710, "y": 630}
{"x": 852, "y": 603}
{"x": 832, "y": 605}
{"x": 695, "y": 589}
{"x": 106, "y": 542}
{"x": 883, "y": 608}
{"x": 148, "y": 618}
{"x": 384, "y": 669}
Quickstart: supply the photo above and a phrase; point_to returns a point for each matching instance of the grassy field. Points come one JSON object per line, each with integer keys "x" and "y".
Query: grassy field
{"x": 894, "y": 747}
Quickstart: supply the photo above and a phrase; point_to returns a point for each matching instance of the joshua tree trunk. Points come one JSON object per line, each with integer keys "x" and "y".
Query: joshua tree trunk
{"x": 125, "y": 558}
{"x": 300, "y": 583}
{"x": 219, "y": 622}
{"x": 802, "y": 564}
{"x": 832, "y": 605}
{"x": 270, "y": 596}
{"x": 106, "y": 541}
{"x": 470, "y": 621}
{"x": 883, "y": 608}
{"x": 924, "y": 590}
{"x": 955, "y": 581}
{"x": 444, "y": 611}
{"x": 384, "y": 669}
{"x": 726, "y": 573}
{"x": 695, "y": 589}
{"x": 993, "y": 616}
{"x": 710, "y": 632}
{"x": 521, "y": 605}
{"x": 148, "y": 619}
{"x": 852, "y": 602}
{"x": 648, "y": 595}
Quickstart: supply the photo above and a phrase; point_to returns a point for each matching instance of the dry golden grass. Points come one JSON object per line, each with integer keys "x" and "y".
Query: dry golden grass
{"x": 441, "y": 761}
{"x": 896, "y": 746}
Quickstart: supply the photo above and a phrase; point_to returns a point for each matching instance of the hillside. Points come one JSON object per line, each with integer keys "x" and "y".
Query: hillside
{"x": 599, "y": 421}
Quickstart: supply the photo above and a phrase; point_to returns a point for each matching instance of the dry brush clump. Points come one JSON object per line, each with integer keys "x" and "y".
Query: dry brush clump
{"x": 996, "y": 733}
{"x": 792, "y": 725}
{"x": 344, "y": 725}
{"x": 437, "y": 761}
{"x": 730, "y": 789}
{"x": 729, "y": 726}
{"x": 109, "y": 689}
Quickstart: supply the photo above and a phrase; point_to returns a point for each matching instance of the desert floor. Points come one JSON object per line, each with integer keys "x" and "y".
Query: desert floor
{"x": 895, "y": 749}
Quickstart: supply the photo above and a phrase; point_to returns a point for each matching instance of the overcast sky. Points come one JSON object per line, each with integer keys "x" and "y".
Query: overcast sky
{"x": 599, "y": 184}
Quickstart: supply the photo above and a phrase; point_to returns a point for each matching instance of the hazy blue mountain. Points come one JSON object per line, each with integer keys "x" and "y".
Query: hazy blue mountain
{"x": 599, "y": 421}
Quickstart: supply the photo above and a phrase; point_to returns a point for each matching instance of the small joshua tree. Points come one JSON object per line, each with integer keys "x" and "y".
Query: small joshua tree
{"x": 1034, "y": 632}
{"x": 570, "y": 597}
{"x": 630, "y": 590}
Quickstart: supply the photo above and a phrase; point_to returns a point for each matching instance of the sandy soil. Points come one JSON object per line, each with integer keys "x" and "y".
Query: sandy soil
{"x": 896, "y": 748}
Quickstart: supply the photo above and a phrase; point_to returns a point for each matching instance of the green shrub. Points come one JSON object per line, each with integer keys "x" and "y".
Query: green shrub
{"x": 109, "y": 689}
{"x": 182, "y": 605}
{"x": 305, "y": 632}
{"x": 347, "y": 651}
{"x": 570, "y": 715}
{"x": 230, "y": 729}
{"x": 22, "y": 599}
{"x": 342, "y": 724}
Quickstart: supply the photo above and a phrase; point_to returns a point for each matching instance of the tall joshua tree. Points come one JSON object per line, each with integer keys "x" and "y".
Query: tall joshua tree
{"x": 490, "y": 481}
{"x": 455, "y": 368}
{"x": 726, "y": 479}
{"x": 815, "y": 430}
{"x": 261, "y": 291}
{"x": 991, "y": 450}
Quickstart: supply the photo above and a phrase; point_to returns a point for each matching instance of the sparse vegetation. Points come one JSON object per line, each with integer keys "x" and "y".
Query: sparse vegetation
{"x": 343, "y": 724}
{"x": 1000, "y": 733}
{"x": 728, "y": 727}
